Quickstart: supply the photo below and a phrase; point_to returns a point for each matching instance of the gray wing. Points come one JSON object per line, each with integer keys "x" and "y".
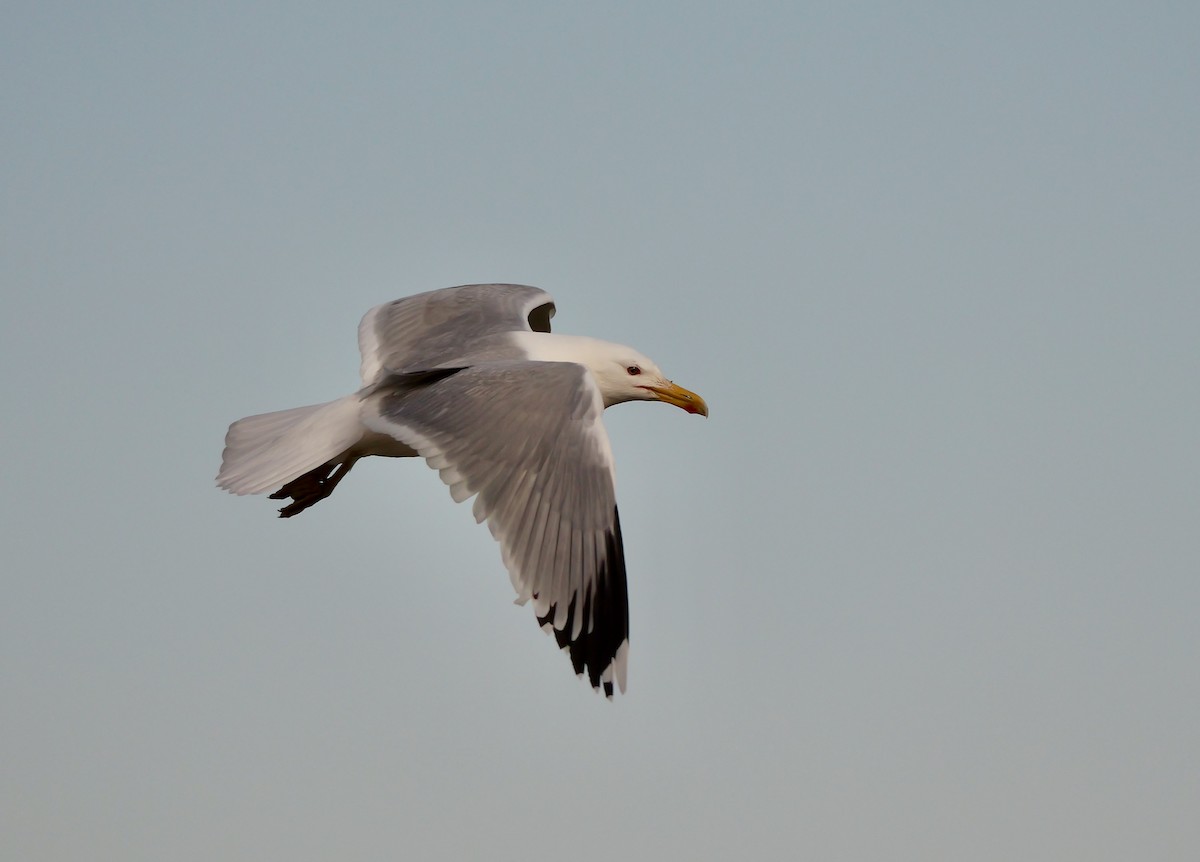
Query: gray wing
{"x": 448, "y": 326}
{"x": 526, "y": 438}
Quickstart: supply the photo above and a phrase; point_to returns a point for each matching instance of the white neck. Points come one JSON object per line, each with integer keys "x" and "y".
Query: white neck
{"x": 552, "y": 347}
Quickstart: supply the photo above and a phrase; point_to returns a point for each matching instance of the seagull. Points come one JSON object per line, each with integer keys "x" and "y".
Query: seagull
{"x": 471, "y": 379}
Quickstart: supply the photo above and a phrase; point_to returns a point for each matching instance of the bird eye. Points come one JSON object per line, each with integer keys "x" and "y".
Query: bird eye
{"x": 633, "y": 370}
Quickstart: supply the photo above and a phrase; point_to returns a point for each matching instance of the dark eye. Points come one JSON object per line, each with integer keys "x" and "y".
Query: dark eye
{"x": 633, "y": 370}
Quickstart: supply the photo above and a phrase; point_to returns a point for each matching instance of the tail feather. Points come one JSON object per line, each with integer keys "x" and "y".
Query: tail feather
{"x": 265, "y": 452}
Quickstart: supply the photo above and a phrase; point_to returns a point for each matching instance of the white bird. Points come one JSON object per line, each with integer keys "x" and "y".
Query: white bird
{"x": 471, "y": 379}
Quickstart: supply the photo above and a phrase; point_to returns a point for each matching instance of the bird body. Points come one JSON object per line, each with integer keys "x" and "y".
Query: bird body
{"x": 471, "y": 379}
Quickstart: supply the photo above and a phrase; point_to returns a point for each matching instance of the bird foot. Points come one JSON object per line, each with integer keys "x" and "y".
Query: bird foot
{"x": 311, "y": 488}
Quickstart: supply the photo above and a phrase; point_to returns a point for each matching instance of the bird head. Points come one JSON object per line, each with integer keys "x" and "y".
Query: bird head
{"x": 623, "y": 374}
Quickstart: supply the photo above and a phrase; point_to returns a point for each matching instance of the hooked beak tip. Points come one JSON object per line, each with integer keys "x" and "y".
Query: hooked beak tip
{"x": 685, "y": 399}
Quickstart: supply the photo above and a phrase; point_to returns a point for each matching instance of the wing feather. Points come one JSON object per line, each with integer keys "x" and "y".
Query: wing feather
{"x": 448, "y": 326}
{"x": 525, "y": 439}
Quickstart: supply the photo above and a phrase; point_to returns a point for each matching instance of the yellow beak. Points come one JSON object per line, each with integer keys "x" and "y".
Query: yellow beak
{"x": 682, "y": 398}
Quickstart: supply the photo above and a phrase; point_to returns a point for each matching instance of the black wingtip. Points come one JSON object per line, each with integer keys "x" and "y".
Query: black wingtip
{"x": 594, "y": 651}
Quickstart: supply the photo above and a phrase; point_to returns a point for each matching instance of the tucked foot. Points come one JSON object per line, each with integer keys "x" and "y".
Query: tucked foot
{"x": 311, "y": 488}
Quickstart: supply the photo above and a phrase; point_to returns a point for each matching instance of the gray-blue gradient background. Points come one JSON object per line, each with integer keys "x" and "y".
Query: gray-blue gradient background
{"x": 925, "y": 586}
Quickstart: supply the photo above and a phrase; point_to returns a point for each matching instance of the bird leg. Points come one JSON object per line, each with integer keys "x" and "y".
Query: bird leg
{"x": 313, "y": 487}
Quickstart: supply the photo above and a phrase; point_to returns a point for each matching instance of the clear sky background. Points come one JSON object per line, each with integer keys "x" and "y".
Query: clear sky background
{"x": 925, "y": 585}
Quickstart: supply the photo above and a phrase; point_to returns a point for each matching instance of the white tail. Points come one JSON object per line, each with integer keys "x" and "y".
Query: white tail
{"x": 265, "y": 452}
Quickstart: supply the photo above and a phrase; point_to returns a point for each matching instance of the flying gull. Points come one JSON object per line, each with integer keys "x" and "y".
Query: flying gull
{"x": 471, "y": 379}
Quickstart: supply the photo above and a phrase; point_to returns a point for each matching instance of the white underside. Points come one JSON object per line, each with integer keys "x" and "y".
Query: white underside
{"x": 265, "y": 452}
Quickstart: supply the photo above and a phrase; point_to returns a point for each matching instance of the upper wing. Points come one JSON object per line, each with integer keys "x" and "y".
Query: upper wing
{"x": 444, "y": 326}
{"x": 526, "y": 438}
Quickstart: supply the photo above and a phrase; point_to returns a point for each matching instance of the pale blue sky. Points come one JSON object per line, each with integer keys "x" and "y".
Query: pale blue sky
{"x": 925, "y": 585}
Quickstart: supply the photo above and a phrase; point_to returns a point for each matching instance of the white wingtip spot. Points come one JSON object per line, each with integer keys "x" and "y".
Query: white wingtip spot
{"x": 620, "y": 665}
